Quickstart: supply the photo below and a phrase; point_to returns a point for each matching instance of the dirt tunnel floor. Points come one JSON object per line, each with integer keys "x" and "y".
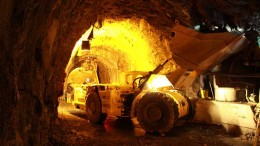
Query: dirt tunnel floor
{"x": 73, "y": 128}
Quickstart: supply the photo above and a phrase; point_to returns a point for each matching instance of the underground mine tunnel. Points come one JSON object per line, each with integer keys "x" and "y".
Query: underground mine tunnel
{"x": 146, "y": 60}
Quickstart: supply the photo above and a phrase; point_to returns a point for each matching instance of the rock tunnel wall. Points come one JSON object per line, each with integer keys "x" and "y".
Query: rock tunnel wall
{"x": 36, "y": 41}
{"x": 122, "y": 46}
{"x": 32, "y": 37}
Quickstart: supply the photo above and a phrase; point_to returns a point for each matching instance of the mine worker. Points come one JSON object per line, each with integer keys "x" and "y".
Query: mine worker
{"x": 204, "y": 86}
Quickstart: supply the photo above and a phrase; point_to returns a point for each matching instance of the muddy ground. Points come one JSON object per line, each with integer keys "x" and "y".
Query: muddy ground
{"x": 73, "y": 128}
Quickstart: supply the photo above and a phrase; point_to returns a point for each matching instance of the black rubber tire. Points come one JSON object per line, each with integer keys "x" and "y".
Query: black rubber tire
{"x": 156, "y": 112}
{"x": 94, "y": 109}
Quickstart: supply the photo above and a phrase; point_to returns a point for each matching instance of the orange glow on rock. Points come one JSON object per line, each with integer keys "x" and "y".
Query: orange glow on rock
{"x": 127, "y": 44}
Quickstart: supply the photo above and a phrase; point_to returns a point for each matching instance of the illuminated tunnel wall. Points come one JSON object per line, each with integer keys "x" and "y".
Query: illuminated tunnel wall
{"x": 123, "y": 46}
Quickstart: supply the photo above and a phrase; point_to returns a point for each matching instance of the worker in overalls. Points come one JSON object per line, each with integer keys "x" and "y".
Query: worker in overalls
{"x": 204, "y": 86}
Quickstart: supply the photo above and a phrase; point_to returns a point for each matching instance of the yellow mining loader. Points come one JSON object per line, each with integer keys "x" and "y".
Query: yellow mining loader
{"x": 156, "y": 100}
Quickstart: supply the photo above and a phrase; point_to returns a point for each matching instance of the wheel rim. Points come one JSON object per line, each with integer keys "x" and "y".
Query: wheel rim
{"x": 153, "y": 113}
{"x": 93, "y": 107}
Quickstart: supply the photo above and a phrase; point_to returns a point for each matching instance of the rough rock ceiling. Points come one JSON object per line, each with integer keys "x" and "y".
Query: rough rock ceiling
{"x": 163, "y": 13}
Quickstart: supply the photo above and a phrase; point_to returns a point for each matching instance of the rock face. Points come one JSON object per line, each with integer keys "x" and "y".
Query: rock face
{"x": 36, "y": 40}
{"x": 32, "y": 69}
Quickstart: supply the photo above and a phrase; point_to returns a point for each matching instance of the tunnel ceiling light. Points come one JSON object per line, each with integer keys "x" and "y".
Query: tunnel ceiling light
{"x": 158, "y": 81}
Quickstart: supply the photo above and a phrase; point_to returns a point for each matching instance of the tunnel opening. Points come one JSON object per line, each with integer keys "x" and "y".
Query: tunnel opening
{"x": 114, "y": 53}
{"x": 120, "y": 46}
